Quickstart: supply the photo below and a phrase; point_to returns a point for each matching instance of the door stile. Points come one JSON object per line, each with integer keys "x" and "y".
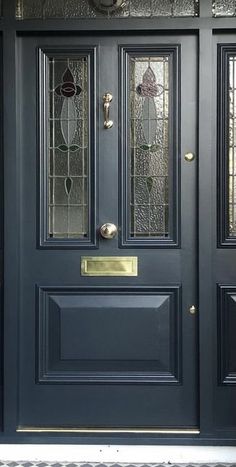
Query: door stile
{"x": 12, "y": 229}
{"x": 108, "y": 142}
{"x": 205, "y": 200}
{"x": 189, "y": 238}
{"x": 205, "y": 8}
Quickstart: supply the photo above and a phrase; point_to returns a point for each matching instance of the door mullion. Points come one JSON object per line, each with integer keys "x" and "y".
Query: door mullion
{"x": 205, "y": 8}
{"x": 108, "y": 138}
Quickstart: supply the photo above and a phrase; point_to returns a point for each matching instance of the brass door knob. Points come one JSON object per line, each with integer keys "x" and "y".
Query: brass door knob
{"x": 189, "y": 157}
{"x": 108, "y": 231}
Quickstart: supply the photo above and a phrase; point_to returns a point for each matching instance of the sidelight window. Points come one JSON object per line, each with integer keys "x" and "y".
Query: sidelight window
{"x": 232, "y": 146}
{"x": 227, "y": 145}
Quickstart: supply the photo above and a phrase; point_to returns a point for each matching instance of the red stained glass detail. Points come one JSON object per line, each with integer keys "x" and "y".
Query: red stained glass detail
{"x": 68, "y": 88}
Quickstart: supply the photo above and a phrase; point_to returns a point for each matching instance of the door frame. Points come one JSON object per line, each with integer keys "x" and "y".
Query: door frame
{"x": 12, "y": 30}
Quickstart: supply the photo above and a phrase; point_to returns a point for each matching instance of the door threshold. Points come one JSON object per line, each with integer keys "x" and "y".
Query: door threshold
{"x": 174, "y": 431}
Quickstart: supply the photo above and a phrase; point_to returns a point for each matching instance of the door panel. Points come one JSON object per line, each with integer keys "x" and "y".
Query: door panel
{"x": 134, "y": 338}
{"x": 108, "y": 352}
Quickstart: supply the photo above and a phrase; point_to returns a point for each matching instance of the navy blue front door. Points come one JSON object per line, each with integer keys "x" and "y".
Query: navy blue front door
{"x": 108, "y": 334}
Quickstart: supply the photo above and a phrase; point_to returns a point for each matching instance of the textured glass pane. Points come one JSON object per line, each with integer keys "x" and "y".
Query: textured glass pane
{"x": 224, "y": 7}
{"x": 73, "y": 8}
{"x": 183, "y": 8}
{"x": 53, "y": 9}
{"x": 162, "y": 8}
{"x": 68, "y": 151}
{"x": 85, "y": 9}
{"x": 149, "y": 146}
{"x": 143, "y": 8}
{"x": 29, "y": 9}
{"x": 232, "y": 146}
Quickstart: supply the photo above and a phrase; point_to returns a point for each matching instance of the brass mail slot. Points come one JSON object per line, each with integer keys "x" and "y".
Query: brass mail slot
{"x": 109, "y": 266}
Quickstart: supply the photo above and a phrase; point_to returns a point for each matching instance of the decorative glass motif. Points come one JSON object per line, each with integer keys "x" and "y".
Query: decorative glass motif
{"x": 223, "y": 8}
{"x": 26, "y": 9}
{"x": 149, "y": 146}
{"x": 109, "y": 5}
{"x": 68, "y": 151}
{"x": 232, "y": 146}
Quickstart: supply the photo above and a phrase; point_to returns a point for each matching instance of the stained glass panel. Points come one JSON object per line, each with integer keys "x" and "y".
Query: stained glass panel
{"x": 26, "y": 9}
{"x": 149, "y": 128}
{"x": 68, "y": 148}
{"x": 232, "y": 146}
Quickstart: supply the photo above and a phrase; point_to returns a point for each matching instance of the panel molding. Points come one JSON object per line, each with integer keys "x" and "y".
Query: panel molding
{"x": 173, "y": 52}
{"x": 43, "y": 241}
{"x": 226, "y": 294}
{"x": 53, "y": 365}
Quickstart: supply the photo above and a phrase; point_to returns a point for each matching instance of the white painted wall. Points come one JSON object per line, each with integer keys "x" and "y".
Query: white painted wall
{"x": 146, "y": 454}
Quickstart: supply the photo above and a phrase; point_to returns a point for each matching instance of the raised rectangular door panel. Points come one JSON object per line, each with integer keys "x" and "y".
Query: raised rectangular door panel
{"x": 109, "y": 336}
{"x": 226, "y": 334}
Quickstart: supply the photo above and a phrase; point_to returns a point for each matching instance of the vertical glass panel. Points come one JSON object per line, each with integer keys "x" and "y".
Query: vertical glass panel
{"x": 68, "y": 148}
{"x": 223, "y": 8}
{"x": 232, "y": 146}
{"x": 26, "y": 9}
{"x": 149, "y": 152}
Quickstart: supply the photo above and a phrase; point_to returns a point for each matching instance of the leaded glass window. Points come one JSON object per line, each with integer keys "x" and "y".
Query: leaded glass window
{"x": 232, "y": 146}
{"x": 68, "y": 148}
{"x": 150, "y": 121}
{"x": 26, "y": 9}
{"x": 224, "y": 8}
{"x": 149, "y": 146}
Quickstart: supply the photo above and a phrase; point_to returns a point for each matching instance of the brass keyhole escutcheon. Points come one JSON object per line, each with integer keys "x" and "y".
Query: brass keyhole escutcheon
{"x": 108, "y": 231}
{"x": 189, "y": 157}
